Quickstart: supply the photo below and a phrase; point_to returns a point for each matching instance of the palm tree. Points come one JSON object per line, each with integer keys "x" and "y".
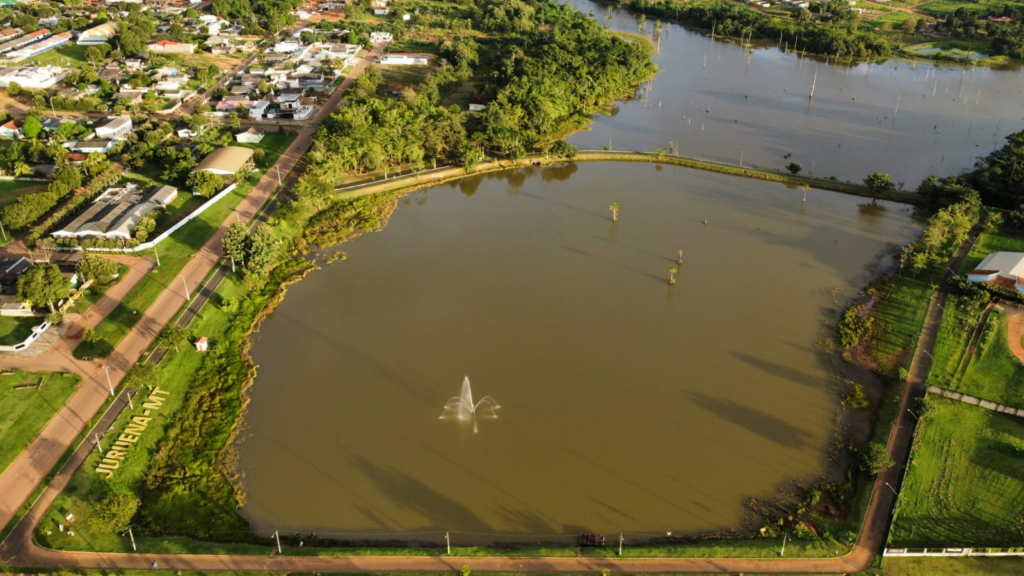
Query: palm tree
{"x": 806, "y": 188}
{"x": 680, "y": 260}
{"x": 672, "y": 274}
{"x": 615, "y": 211}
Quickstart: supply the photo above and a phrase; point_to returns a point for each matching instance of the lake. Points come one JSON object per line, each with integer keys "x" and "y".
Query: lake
{"x": 627, "y": 405}
{"x": 755, "y": 104}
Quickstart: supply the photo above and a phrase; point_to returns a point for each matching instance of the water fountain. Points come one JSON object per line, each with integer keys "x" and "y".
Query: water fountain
{"x": 463, "y": 408}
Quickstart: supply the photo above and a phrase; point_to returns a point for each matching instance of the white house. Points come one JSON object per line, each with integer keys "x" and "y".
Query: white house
{"x": 405, "y": 59}
{"x": 32, "y": 77}
{"x": 251, "y": 136}
{"x": 378, "y": 37}
{"x": 1003, "y": 268}
{"x": 117, "y": 128}
{"x": 286, "y": 47}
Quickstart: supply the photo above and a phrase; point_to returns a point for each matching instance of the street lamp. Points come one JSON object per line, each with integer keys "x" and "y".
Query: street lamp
{"x": 916, "y": 417}
{"x": 893, "y": 489}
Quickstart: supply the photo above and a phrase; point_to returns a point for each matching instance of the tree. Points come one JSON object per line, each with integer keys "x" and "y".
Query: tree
{"x": 43, "y": 283}
{"x": 31, "y": 128}
{"x": 142, "y": 375}
{"x": 879, "y": 183}
{"x": 672, "y": 274}
{"x": 96, "y": 268}
{"x": 874, "y": 458}
{"x": 172, "y": 337}
{"x": 90, "y": 336}
{"x": 236, "y": 238}
{"x": 680, "y": 260}
{"x": 794, "y": 168}
{"x": 14, "y": 89}
{"x": 115, "y": 512}
{"x": 614, "y": 208}
{"x": 204, "y": 183}
{"x": 47, "y": 246}
{"x": 261, "y": 250}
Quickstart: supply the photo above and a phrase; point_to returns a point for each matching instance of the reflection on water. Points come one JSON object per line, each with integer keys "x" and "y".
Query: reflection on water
{"x": 627, "y": 404}
{"x": 756, "y": 104}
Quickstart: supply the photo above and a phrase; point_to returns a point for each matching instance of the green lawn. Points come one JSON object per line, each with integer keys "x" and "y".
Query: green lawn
{"x": 11, "y": 189}
{"x": 404, "y": 75}
{"x": 899, "y": 316}
{"x": 273, "y": 144}
{"x": 94, "y": 292}
{"x": 14, "y": 329}
{"x": 951, "y": 566}
{"x": 988, "y": 243}
{"x": 994, "y": 372}
{"x": 955, "y": 332}
{"x": 24, "y": 412}
{"x": 965, "y": 483}
{"x": 67, "y": 55}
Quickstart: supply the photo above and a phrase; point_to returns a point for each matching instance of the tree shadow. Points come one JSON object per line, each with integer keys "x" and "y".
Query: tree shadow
{"x": 763, "y": 424}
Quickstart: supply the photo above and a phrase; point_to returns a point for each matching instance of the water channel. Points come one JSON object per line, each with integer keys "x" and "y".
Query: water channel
{"x": 626, "y": 404}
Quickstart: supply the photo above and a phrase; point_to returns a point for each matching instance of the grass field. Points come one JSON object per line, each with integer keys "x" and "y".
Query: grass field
{"x": 965, "y": 483}
{"x": 989, "y": 243}
{"x": 958, "y": 325}
{"x": 950, "y": 566}
{"x": 995, "y": 373}
{"x": 14, "y": 329}
{"x": 175, "y": 252}
{"x": 899, "y": 316}
{"x": 11, "y": 189}
{"x": 24, "y": 412}
{"x": 947, "y": 7}
{"x": 67, "y": 55}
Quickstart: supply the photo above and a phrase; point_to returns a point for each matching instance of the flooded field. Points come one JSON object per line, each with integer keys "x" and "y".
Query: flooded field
{"x": 721, "y": 101}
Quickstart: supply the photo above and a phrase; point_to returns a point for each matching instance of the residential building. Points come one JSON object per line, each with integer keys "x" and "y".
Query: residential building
{"x": 99, "y": 35}
{"x": 252, "y": 135}
{"x": 405, "y": 59}
{"x": 37, "y": 48}
{"x": 171, "y": 47}
{"x": 24, "y": 40}
{"x": 32, "y": 76}
{"x": 226, "y": 161}
{"x": 286, "y": 47}
{"x": 1004, "y": 269}
{"x": 11, "y": 128}
{"x": 117, "y": 128}
{"x": 114, "y": 214}
{"x": 380, "y": 37}
{"x": 163, "y": 196}
{"x": 89, "y": 146}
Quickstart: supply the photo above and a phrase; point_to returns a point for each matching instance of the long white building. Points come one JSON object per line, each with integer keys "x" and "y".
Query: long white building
{"x": 32, "y": 77}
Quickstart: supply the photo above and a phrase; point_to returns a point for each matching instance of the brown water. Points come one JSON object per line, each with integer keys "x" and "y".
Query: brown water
{"x": 756, "y": 104}
{"x": 628, "y": 405}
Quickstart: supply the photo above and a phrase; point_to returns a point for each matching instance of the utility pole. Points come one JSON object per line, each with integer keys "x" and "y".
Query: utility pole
{"x": 99, "y": 448}
{"x": 278, "y": 538}
{"x": 278, "y": 167}
{"x": 188, "y": 297}
{"x": 109, "y": 383}
{"x": 813, "y": 82}
{"x": 741, "y": 158}
{"x": 5, "y": 233}
{"x": 157, "y": 253}
{"x": 132, "y": 536}
{"x": 448, "y": 542}
{"x": 783, "y": 553}
{"x": 620, "y": 543}
{"x": 129, "y": 394}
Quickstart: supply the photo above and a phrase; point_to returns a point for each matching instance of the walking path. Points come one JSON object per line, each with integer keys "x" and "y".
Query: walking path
{"x": 975, "y": 401}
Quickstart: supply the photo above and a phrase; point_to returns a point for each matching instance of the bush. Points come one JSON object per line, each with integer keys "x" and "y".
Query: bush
{"x": 874, "y": 458}
{"x": 90, "y": 336}
{"x": 853, "y": 327}
{"x": 855, "y": 396}
{"x": 115, "y": 512}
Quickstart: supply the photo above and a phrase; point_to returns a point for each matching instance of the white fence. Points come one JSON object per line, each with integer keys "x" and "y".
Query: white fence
{"x": 172, "y": 229}
{"x": 36, "y": 333}
{"x": 948, "y": 552}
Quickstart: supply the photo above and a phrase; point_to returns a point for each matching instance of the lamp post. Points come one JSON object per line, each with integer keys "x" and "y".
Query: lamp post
{"x": 110, "y": 385}
{"x": 893, "y": 489}
{"x": 188, "y": 297}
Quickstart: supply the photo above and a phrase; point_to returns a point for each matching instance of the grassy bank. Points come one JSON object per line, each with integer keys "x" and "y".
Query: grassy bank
{"x": 994, "y": 373}
{"x": 27, "y": 402}
{"x": 965, "y": 482}
{"x": 416, "y": 181}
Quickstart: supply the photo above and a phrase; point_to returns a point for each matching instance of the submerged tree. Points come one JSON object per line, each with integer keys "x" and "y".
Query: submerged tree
{"x": 672, "y": 274}
{"x": 680, "y": 259}
{"x": 614, "y": 208}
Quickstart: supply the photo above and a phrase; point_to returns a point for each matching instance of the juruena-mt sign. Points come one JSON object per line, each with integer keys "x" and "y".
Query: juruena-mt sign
{"x": 131, "y": 434}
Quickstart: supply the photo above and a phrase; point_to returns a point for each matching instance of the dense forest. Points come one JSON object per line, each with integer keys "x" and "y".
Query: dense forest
{"x": 549, "y": 70}
{"x": 837, "y": 33}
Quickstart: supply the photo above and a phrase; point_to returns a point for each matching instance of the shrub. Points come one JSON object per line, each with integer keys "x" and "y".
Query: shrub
{"x": 853, "y": 327}
{"x": 115, "y": 512}
{"x": 855, "y": 396}
{"x": 874, "y": 458}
